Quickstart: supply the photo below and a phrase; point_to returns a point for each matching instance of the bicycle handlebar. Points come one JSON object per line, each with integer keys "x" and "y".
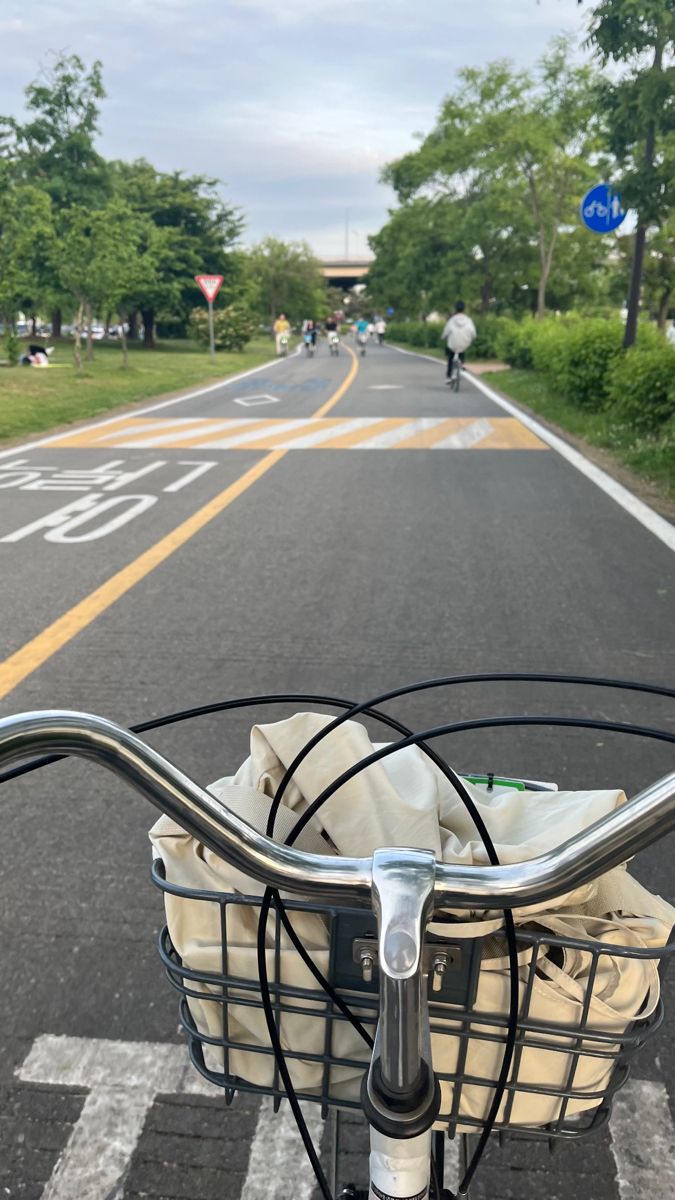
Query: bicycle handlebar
{"x": 605, "y": 844}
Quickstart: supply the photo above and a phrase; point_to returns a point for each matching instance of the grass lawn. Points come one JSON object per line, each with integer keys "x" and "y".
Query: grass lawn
{"x": 34, "y": 401}
{"x": 651, "y": 458}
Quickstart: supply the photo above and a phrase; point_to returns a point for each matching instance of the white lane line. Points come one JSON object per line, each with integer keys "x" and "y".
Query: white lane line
{"x": 464, "y": 438}
{"x": 643, "y": 1142}
{"x": 383, "y": 441}
{"x": 123, "y": 1079}
{"x": 277, "y": 1166}
{"x": 140, "y": 412}
{"x": 651, "y": 520}
{"x": 385, "y": 387}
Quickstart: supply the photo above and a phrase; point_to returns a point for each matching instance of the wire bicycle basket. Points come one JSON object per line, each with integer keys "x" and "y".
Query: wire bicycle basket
{"x": 565, "y": 1071}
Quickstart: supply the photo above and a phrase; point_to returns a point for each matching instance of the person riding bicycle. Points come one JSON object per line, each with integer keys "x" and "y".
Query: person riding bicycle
{"x": 281, "y": 329}
{"x": 331, "y": 326}
{"x": 309, "y": 330}
{"x": 361, "y": 327}
{"x": 458, "y": 335}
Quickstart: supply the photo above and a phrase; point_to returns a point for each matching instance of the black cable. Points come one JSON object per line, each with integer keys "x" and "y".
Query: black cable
{"x": 293, "y": 698}
{"x": 205, "y": 710}
{"x": 418, "y": 739}
{"x": 321, "y": 980}
{"x": 367, "y": 709}
{"x": 509, "y": 924}
{"x": 462, "y": 727}
{"x": 279, "y": 1057}
{"x": 451, "y": 681}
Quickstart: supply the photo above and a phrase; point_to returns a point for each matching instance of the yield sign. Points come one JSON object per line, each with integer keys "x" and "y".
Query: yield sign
{"x": 210, "y": 285}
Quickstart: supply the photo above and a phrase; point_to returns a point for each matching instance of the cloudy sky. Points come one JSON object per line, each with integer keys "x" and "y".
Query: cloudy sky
{"x": 294, "y": 104}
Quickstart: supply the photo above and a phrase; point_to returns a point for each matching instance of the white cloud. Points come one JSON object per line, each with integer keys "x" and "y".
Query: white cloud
{"x": 295, "y": 105}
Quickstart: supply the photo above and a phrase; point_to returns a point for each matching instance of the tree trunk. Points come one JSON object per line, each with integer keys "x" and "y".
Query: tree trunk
{"x": 123, "y": 338}
{"x": 33, "y": 325}
{"x": 78, "y": 338}
{"x": 56, "y": 322}
{"x": 106, "y": 327}
{"x": 133, "y": 325}
{"x": 485, "y": 295}
{"x": 148, "y": 315}
{"x": 90, "y": 339}
{"x": 664, "y": 306}
{"x": 630, "y": 332}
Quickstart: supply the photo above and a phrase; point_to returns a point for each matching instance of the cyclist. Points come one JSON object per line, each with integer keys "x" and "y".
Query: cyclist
{"x": 331, "y": 325}
{"x": 281, "y": 328}
{"x": 309, "y": 330}
{"x": 458, "y": 335}
{"x": 361, "y": 327}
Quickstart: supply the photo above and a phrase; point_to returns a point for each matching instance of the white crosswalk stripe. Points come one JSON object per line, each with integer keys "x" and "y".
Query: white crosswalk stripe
{"x": 123, "y": 1078}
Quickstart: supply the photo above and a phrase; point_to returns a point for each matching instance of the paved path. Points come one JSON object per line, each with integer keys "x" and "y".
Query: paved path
{"x": 211, "y": 547}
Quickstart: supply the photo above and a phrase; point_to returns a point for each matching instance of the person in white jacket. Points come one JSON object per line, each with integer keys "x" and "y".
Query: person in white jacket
{"x": 458, "y": 335}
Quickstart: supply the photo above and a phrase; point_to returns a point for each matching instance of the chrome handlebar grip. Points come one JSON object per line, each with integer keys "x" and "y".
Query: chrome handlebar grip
{"x": 606, "y": 844}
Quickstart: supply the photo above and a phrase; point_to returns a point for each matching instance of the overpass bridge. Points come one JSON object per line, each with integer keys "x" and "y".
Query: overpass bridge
{"x": 345, "y": 272}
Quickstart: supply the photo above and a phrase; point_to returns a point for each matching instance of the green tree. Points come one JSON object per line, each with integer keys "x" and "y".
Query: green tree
{"x": 26, "y": 238}
{"x": 123, "y": 262}
{"x": 194, "y": 231}
{"x": 640, "y": 110}
{"x": 54, "y": 149}
{"x": 504, "y": 166}
{"x": 286, "y": 277}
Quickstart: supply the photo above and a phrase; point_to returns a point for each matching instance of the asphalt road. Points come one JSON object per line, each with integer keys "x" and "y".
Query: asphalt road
{"x": 238, "y": 542}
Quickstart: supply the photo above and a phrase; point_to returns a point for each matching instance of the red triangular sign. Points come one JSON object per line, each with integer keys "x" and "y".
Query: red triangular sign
{"x": 210, "y": 285}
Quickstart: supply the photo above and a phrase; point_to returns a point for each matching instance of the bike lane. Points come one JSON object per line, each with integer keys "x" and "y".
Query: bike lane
{"x": 336, "y": 571}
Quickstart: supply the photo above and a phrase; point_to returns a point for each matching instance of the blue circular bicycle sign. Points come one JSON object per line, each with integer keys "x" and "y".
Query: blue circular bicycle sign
{"x": 601, "y": 209}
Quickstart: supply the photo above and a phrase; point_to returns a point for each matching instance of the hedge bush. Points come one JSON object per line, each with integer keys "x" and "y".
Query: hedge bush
{"x": 233, "y": 326}
{"x": 641, "y": 386}
{"x": 514, "y": 342}
{"x": 575, "y": 355}
{"x": 427, "y": 335}
{"x": 582, "y": 366}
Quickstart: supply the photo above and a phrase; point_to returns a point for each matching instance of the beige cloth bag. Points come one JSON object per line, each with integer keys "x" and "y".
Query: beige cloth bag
{"x": 405, "y": 800}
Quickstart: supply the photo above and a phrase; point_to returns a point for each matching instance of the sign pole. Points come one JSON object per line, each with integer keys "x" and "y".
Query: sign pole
{"x": 212, "y": 342}
{"x": 210, "y": 286}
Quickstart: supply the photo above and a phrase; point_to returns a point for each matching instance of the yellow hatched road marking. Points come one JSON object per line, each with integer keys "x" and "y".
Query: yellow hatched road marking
{"x": 435, "y": 433}
{"x": 321, "y": 433}
{"x": 509, "y": 434}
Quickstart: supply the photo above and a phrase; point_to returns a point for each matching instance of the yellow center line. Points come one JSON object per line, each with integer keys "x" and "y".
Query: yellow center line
{"x": 353, "y": 372}
{"x": 39, "y": 649}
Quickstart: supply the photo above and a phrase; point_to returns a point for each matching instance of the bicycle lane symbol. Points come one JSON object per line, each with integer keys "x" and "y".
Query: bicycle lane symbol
{"x": 94, "y": 514}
